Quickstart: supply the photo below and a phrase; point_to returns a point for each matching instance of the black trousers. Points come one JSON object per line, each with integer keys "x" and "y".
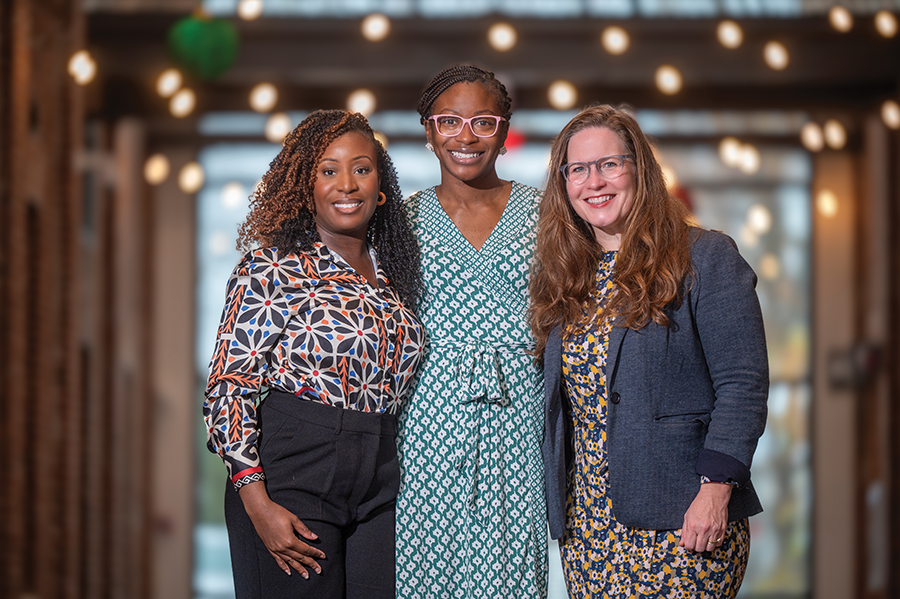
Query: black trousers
{"x": 338, "y": 471}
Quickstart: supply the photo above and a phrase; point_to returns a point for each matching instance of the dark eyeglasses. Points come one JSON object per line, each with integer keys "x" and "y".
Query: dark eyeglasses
{"x": 609, "y": 167}
{"x": 482, "y": 125}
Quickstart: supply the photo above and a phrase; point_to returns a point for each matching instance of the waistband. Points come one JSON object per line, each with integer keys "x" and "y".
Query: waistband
{"x": 340, "y": 419}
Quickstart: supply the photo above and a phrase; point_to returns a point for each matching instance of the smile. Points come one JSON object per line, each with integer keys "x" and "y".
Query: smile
{"x": 465, "y": 155}
{"x": 347, "y": 205}
{"x": 599, "y": 200}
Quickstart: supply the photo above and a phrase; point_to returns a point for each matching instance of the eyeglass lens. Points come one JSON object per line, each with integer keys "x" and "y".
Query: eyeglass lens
{"x": 482, "y": 125}
{"x": 609, "y": 167}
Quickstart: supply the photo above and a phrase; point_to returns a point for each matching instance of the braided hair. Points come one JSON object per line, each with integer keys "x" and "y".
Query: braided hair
{"x": 282, "y": 208}
{"x": 457, "y": 74}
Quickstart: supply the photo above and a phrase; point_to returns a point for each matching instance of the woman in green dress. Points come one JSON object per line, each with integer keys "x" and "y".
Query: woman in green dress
{"x": 471, "y": 516}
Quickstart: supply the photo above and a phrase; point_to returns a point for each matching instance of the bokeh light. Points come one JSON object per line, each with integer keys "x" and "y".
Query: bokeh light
{"x": 827, "y": 203}
{"x": 811, "y": 136}
{"x": 886, "y": 23}
{"x": 730, "y": 34}
{"x": 668, "y": 79}
{"x": 835, "y": 135}
{"x": 168, "y": 83}
{"x": 182, "y": 103}
{"x": 191, "y": 177}
{"x": 840, "y": 19}
{"x": 278, "y": 126}
{"x": 361, "y": 101}
{"x": 82, "y": 67}
{"x": 615, "y": 40}
{"x": 562, "y": 95}
{"x": 776, "y": 56}
{"x": 250, "y": 10}
{"x": 156, "y": 169}
{"x": 502, "y": 36}
{"x": 890, "y": 114}
{"x": 263, "y": 97}
{"x": 375, "y": 27}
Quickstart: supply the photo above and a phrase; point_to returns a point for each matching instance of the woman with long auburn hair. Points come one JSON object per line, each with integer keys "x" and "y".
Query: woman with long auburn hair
{"x": 655, "y": 372}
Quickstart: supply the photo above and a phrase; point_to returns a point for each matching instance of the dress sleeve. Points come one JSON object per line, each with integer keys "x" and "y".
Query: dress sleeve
{"x": 254, "y": 316}
{"x": 730, "y": 326}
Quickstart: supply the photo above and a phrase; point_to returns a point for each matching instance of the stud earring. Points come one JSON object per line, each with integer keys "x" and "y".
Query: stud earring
{"x": 429, "y": 146}
{"x": 502, "y": 150}
{"x": 381, "y": 198}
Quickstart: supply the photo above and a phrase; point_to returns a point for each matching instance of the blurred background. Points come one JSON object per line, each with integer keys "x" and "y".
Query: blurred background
{"x": 133, "y": 131}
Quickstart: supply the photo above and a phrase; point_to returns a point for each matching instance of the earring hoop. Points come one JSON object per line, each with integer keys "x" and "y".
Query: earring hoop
{"x": 502, "y": 150}
{"x": 429, "y": 146}
{"x": 382, "y": 198}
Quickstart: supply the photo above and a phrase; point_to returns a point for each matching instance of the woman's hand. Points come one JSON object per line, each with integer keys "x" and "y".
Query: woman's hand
{"x": 278, "y": 528}
{"x": 706, "y": 520}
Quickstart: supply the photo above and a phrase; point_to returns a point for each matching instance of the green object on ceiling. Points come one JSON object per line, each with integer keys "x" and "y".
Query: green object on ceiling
{"x": 203, "y": 47}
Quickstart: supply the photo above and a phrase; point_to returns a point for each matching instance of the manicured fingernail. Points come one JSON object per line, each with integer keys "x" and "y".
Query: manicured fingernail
{"x": 305, "y": 575}
{"x": 287, "y": 571}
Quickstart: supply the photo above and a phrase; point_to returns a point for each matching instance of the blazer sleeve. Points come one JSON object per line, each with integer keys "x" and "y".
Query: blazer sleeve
{"x": 555, "y": 444}
{"x": 730, "y": 327}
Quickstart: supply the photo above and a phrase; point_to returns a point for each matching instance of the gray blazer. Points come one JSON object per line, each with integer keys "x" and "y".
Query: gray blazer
{"x": 683, "y": 401}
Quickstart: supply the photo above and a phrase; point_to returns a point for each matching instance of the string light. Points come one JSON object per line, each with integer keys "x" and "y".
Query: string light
{"x": 750, "y": 160}
{"x": 278, "y": 126}
{"x": 250, "y": 10}
{"x": 890, "y": 114}
{"x": 375, "y": 27}
{"x": 361, "y": 101}
{"x": 615, "y": 40}
{"x": 811, "y": 136}
{"x": 156, "y": 169}
{"x": 562, "y": 95}
{"x": 263, "y": 97}
{"x": 191, "y": 177}
{"x": 232, "y": 195}
{"x": 759, "y": 219}
{"x": 168, "y": 83}
{"x": 835, "y": 135}
{"x": 840, "y": 18}
{"x": 730, "y": 34}
{"x": 668, "y": 79}
{"x": 886, "y": 23}
{"x": 776, "y": 56}
{"x": 502, "y": 36}
{"x": 182, "y": 103}
{"x": 730, "y": 150}
{"x": 827, "y": 203}
{"x": 82, "y": 67}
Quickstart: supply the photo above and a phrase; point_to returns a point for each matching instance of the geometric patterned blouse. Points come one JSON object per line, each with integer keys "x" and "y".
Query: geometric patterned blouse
{"x": 307, "y": 324}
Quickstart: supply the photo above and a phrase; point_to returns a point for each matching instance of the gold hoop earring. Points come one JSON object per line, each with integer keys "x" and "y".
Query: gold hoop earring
{"x": 382, "y": 198}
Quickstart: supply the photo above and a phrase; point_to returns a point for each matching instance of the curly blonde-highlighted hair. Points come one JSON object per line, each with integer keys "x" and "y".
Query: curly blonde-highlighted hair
{"x": 653, "y": 258}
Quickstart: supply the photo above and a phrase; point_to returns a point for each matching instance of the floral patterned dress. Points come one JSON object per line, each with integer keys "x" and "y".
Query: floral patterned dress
{"x": 601, "y": 557}
{"x": 471, "y": 513}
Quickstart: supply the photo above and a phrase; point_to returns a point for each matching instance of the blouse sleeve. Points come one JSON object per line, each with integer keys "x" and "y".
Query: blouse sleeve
{"x": 255, "y": 314}
{"x": 730, "y": 325}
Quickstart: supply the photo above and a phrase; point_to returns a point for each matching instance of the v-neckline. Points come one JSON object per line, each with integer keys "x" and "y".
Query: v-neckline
{"x": 479, "y": 251}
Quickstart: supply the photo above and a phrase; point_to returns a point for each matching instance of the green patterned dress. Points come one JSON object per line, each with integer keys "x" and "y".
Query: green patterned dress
{"x": 602, "y": 558}
{"x": 471, "y": 514}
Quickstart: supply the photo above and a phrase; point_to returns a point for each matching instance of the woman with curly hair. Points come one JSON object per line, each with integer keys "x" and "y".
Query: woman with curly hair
{"x": 470, "y": 515}
{"x": 319, "y": 319}
{"x": 655, "y": 371}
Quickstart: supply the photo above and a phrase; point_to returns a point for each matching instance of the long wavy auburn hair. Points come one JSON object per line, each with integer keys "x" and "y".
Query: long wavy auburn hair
{"x": 653, "y": 259}
{"x": 282, "y": 208}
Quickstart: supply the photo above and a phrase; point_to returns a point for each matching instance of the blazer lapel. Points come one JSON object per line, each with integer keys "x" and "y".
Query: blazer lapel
{"x": 616, "y": 336}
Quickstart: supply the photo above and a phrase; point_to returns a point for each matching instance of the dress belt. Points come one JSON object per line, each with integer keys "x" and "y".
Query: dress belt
{"x": 479, "y": 379}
